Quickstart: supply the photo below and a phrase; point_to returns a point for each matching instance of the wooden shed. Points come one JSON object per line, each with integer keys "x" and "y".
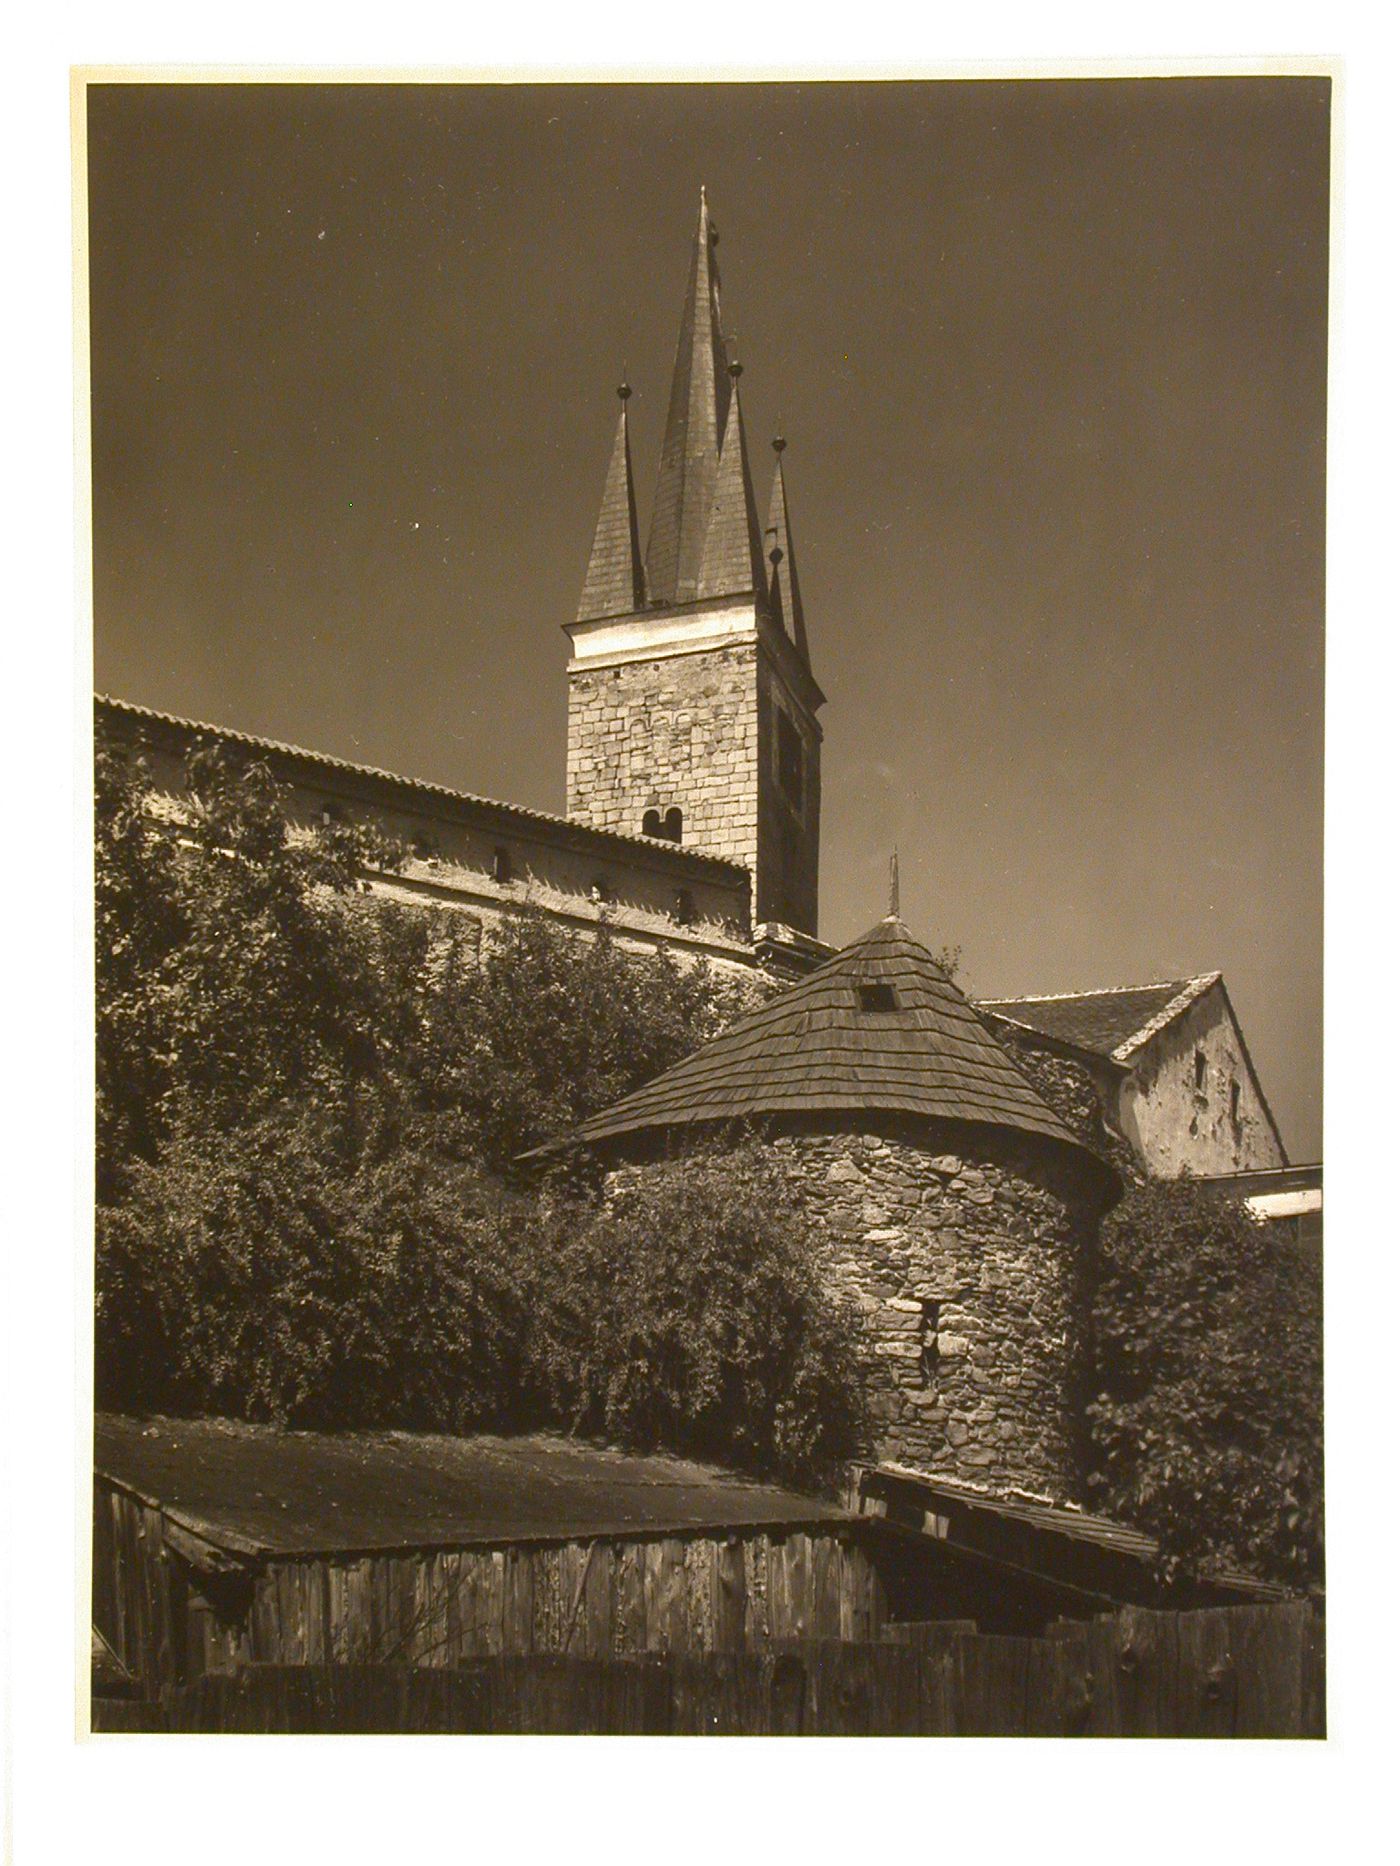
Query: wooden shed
{"x": 217, "y": 1545}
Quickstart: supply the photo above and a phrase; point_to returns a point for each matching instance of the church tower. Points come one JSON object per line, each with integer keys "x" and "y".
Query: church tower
{"x": 692, "y": 706}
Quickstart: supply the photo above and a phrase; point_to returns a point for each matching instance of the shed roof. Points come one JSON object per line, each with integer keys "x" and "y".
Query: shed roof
{"x": 823, "y": 1046}
{"x": 255, "y": 1490}
{"x": 1112, "y": 1022}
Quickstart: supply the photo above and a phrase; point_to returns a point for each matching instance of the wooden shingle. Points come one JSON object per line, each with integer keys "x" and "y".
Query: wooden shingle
{"x": 822, "y": 1046}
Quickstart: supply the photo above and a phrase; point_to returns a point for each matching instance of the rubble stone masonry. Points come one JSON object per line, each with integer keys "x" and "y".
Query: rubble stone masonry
{"x": 960, "y": 1247}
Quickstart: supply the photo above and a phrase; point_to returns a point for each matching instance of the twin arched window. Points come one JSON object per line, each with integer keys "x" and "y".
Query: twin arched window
{"x": 667, "y": 828}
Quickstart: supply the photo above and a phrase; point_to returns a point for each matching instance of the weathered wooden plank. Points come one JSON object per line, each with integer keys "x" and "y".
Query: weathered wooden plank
{"x": 786, "y": 1678}
{"x": 629, "y": 1600}
{"x": 697, "y": 1556}
{"x": 824, "y": 1587}
{"x": 757, "y": 1617}
{"x": 1314, "y": 1668}
{"x": 1205, "y": 1673}
{"x": 665, "y": 1586}
{"x": 991, "y": 1684}
{"x": 729, "y": 1595}
{"x": 594, "y": 1636}
{"x": 518, "y": 1616}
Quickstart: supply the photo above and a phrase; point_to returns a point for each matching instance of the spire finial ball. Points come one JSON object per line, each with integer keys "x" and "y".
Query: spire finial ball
{"x": 778, "y": 443}
{"x": 736, "y": 369}
{"x": 624, "y": 390}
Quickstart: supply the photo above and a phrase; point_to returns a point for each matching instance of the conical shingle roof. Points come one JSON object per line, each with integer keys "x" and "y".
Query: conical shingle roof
{"x": 733, "y": 560}
{"x": 615, "y": 584}
{"x": 879, "y": 1027}
{"x": 785, "y": 594}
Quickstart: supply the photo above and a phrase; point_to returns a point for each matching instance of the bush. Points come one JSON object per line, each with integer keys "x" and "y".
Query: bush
{"x": 688, "y": 1313}
{"x": 286, "y": 1272}
{"x": 1205, "y": 1383}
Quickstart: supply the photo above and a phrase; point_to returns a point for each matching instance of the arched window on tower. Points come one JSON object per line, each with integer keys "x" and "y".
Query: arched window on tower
{"x": 665, "y": 828}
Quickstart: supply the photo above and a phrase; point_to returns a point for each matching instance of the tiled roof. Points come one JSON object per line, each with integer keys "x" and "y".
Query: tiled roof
{"x": 417, "y": 787}
{"x": 1112, "y": 1022}
{"x": 817, "y": 1047}
{"x": 255, "y": 1491}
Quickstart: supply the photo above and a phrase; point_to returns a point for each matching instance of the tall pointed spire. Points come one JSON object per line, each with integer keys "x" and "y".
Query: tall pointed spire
{"x": 784, "y": 594}
{"x": 615, "y": 583}
{"x": 695, "y": 421}
{"x": 733, "y": 559}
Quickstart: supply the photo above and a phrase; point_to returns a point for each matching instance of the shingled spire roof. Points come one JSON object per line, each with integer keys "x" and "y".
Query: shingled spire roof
{"x": 733, "y": 561}
{"x": 615, "y": 583}
{"x": 695, "y": 421}
{"x": 784, "y": 593}
{"x": 879, "y": 1027}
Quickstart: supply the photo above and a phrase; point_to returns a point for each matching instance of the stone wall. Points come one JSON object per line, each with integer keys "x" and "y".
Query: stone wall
{"x": 961, "y": 1247}
{"x": 1193, "y": 1103}
{"x": 674, "y": 732}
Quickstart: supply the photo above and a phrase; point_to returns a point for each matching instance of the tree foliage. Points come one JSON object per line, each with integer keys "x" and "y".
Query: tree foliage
{"x": 307, "y": 1102}
{"x": 687, "y": 1314}
{"x": 1205, "y": 1381}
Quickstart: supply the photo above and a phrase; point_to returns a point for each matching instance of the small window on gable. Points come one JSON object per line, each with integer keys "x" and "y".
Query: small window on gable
{"x": 500, "y": 865}
{"x": 878, "y": 998}
{"x": 671, "y": 826}
{"x": 1235, "y": 1103}
{"x": 1200, "y": 1072}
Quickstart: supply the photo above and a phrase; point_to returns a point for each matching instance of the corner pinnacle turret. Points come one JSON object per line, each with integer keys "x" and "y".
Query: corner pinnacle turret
{"x": 615, "y": 583}
{"x": 784, "y": 593}
{"x": 732, "y": 564}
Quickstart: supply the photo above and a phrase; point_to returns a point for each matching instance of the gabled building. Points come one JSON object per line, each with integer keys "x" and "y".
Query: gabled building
{"x": 1169, "y": 1065}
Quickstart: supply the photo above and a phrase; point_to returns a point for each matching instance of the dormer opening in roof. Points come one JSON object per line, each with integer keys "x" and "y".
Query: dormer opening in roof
{"x": 686, "y": 688}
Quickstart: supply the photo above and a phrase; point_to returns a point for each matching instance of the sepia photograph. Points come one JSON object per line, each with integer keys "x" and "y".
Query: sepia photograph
{"x": 707, "y": 846}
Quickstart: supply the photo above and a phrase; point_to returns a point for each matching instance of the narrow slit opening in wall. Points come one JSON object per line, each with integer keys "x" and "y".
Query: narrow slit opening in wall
{"x": 928, "y": 1342}
{"x": 500, "y": 865}
{"x": 1200, "y": 1071}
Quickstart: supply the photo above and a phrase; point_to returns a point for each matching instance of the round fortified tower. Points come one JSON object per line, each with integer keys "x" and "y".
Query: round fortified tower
{"x": 948, "y": 1201}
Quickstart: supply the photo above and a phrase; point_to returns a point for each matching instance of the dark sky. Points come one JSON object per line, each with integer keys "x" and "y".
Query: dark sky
{"x": 1051, "y": 362}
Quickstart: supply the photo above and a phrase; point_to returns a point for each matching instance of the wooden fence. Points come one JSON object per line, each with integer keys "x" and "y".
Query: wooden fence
{"x": 1233, "y": 1671}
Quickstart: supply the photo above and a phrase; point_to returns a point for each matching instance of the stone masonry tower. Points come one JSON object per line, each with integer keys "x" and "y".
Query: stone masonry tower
{"x": 692, "y": 706}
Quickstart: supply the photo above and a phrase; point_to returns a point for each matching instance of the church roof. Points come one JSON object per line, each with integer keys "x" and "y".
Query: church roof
{"x": 695, "y": 422}
{"x": 879, "y": 1027}
{"x": 1113, "y": 1022}
{"x": 411, "y": 791}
